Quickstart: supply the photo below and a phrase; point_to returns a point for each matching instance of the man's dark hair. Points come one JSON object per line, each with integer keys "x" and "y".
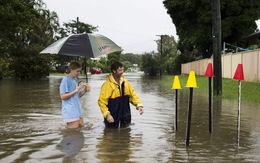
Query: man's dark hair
{"x": 116, "y": 65}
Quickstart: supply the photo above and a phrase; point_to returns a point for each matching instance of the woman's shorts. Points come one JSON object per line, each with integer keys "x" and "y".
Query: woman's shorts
{"x": 71, "y": 120}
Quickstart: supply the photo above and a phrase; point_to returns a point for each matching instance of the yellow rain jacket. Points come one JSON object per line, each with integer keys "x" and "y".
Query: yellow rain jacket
{"x": 111, "y": 101}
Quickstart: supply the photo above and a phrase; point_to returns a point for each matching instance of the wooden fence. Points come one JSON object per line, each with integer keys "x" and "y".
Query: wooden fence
{"x": 249, "y": 59}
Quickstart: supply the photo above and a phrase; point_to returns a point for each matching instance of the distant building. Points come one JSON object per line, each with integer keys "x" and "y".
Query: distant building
{"x": 253, "y": 40}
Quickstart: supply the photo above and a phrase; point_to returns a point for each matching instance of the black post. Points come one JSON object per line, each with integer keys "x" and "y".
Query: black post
{"x": 176, "y": 109}
{"x": 216, "y": 37}
{"x": 189, "y": 118}
{"x": 238, "y": 112}
{"x": 210, "y": 105}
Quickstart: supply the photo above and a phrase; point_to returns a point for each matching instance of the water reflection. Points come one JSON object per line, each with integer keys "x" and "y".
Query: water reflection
{"x": 71, "y": 143}
{"x": 115, "y": 145}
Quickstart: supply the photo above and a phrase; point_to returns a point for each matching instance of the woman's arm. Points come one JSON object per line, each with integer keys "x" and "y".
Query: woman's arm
{"x": 67, "y": 95}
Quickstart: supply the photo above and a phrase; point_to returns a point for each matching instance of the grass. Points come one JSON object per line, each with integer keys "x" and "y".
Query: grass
{"x": 250, "y": 91}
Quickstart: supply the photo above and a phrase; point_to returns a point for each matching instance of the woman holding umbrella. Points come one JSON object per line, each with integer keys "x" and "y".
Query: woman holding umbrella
{"x": 71, "y": 89}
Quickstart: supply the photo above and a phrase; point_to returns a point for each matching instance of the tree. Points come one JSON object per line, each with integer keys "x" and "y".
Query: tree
{"x": 193, "y": 21}
{"x": 113, "y": 57}
{"x": 168, "y": 47}
{"x": 75, "y": 26}
{"x": 25, "y": 29}
{"x": 105, "y": 62}
{"x": 132, "y": 58}
{"x": 150, "y": 64}
{"x": 104, "y": 65}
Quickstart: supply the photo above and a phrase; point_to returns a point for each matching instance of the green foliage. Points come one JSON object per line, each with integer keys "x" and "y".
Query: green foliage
{"x": 104, "y": 65}
{"x": 150, "y": 64}
{"x": 126, "y": 64}
{"x": 5, "y": 70}
{"x": 113, "y": 57}
{"x": 25, "y": 30}
{"x": 132, "y": 58}
{"x": 30, "y": 68}
{"x": 76, "y": 26}
{"x": 105, "y": 62}
{"x": 193, "y": 22}
{"x": 169, "y": 57}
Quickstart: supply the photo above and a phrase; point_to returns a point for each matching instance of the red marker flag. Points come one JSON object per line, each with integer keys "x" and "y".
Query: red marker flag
{"x": 239, "y": 74}
{"x": 209, "y": 71}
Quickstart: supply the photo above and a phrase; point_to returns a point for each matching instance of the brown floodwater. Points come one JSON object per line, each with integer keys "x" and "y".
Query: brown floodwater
{"x": 31, "y": 128}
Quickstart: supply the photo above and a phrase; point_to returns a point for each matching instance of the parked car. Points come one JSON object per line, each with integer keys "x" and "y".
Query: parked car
{"x": 61, "y": 68}
{"x": 96, "y": 71}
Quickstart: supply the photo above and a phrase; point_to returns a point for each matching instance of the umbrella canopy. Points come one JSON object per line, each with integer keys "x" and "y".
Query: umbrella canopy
{"x": 87, "y": 45}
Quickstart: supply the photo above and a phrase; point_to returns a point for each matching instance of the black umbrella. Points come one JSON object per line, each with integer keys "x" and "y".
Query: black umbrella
{"x": 87, "y": 45}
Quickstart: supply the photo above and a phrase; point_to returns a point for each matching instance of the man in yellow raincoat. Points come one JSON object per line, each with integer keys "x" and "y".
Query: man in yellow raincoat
{"x": 115, "y": 97}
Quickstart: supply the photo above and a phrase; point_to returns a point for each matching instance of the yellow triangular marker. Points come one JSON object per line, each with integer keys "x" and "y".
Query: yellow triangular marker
{"x": 191, "y": 83}
{"x": 176, "y": 83}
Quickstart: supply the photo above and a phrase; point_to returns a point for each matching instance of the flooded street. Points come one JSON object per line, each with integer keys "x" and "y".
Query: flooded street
{"x": 31, "y": 128}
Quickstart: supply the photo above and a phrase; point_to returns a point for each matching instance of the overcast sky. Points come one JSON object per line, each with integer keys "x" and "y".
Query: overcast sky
{"x": 132, "y": 24}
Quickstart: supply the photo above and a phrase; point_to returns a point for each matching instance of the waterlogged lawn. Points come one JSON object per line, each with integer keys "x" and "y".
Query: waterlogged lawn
{"x": 250, "y": 91}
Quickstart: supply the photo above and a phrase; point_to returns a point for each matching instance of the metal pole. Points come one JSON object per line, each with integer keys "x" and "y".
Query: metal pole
{"x": 176, "y": 109}
{"x": 210, "y": 105}
{"x": 238, "y": 113}
{"x": 189, "y": 118}
{"x": 161, "y": 56}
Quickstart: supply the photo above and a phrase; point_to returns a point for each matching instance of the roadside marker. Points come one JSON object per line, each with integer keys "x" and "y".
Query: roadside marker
{"x": 176, "y": 85}
{"x": 191, "y": 83}
{"x": 209, "y": 73}
{"x": 239, "y": 75}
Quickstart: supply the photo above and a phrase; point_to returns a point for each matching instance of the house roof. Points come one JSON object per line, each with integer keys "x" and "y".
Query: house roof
{"x": 252, "y": 36}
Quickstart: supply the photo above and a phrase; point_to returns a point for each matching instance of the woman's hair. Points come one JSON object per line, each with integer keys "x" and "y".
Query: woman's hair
{"x": 73, "y": 66}
{"x": 116, "y": 65}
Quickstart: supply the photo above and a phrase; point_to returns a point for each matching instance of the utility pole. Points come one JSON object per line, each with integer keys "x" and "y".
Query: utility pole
{"x": 216, "y": 36}
{"x": 161, "y": 57}
{"x": 77, "y": 25}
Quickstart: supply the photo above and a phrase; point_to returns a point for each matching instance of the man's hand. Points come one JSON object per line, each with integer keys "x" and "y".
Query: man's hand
{"x": 110, "y": 119}
{"x": 141, "y": 110}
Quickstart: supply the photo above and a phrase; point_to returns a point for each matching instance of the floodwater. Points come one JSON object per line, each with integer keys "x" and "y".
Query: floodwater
{"x": 31, "y": 128}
